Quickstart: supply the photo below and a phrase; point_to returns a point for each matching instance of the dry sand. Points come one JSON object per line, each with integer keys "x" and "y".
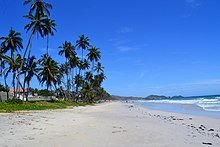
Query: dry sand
{"x": 114, "y": 124}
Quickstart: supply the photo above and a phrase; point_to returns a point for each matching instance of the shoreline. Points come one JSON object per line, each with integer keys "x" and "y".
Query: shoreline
{"x": 109, "y": 124}
{"x": 188, "y": 109}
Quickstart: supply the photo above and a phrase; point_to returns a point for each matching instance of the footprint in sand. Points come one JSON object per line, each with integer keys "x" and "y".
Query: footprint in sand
{"x": 118, "y": 131}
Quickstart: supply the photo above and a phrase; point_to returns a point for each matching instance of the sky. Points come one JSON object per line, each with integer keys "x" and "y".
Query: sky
{"x": 164, "y": 47}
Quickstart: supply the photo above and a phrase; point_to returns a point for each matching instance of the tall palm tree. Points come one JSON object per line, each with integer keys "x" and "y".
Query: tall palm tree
{"x": 67, "y": 49}
{"x": 32, "y": 70}
{"x": 3, "y": 73}
{"x": 50, "y": 27}
{"x": 38, "y": 7}
{"x": 36, "y": 26}
{"x": 12, "y": 42}
{"x": 85, "y": 64}
{"x": 73, "y": 62}
{"x": 99, "y": 68}
{"x": 94, "y": 55}
{"x": 48, "y": 71}
{"x": 65, "y": 69}
{"x": 14, "y": 65}
{"x": 83, "y": 43}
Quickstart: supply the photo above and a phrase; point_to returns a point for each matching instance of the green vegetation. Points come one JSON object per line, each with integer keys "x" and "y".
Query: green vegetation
{"x": 17, "y": 105}
{"x": 78, "y": 79}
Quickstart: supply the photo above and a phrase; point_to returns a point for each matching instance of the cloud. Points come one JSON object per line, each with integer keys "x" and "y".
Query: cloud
{"x": 125, "y": 30}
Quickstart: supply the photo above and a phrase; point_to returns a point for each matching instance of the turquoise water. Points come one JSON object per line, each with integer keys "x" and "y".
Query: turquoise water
{"x": 201, "y": 105}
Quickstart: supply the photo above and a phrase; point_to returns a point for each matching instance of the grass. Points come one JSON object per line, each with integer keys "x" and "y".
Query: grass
{"x": 6, "y": 107}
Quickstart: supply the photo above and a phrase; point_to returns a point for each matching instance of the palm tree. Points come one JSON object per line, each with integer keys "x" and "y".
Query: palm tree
{"x": 49, "y": 72}
{"x": 73, "y": 62}
{"x": 32, "y": 70}
{"x": 50, "y": 27}
{"x": 99, "y": 68}
{"x": 88, "y": 76}
{"x": 85, "y": 64}
{"x": 14, "y": 65}
{"x": 36, "y": 26}
{"x": 67, "y": 49}
{"x": 38, "y": 7}
{"x": 12, "y": 42}
{"x": 65, "y": 69}
{"x": 83, "y": 43}
{"x": 3, "y": 72}
{"x": 94, "y": 55}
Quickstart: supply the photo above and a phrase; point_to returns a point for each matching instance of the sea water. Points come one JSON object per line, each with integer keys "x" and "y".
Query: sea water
{"x": 199, "y": 105}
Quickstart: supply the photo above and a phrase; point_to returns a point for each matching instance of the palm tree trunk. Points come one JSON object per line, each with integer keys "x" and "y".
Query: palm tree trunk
{"x": 28, "y": 46}
{"x": 93, "y": 66}
{"x": 28, "y": 84}
{"x": 13, "y": 83}
{"x": 6, "y": 86}
{"x": 24, "y": 84}
{"x": 22, "y": 63}
{"x": 47, "y": 44}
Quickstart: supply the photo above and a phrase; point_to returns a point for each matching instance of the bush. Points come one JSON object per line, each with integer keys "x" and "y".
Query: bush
{"x": 14, "y": 101}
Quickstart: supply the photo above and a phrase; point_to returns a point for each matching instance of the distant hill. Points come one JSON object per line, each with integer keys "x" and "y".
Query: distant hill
{"x": 150, "y": 97}
{"x": 124, "y": 98}
{"x": 153, "y": 97}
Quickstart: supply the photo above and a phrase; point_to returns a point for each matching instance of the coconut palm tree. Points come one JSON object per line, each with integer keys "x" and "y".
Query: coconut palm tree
{"x": 49, "y": 28}
{"x": 65, "y": 69}
{"x": 14, "y": 65}
{"x": 38, "y": 7}
{"x": 36, "y": 26}
{"x": 69, "y": 52}
{"x": 12, "y": 42}
{"x": 67, "y": 49}
{"x": 31, "y": 70}
{"x": 48, "y": 71}
{"x": 99, "y": 68}
{"x": 83, "y": 43}
{"x": 3, "y": 73}
{"x": 73, "y": 62}
{"x": 94, "y": 55}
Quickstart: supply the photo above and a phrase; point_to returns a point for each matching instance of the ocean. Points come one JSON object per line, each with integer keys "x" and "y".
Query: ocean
{"x": 199, "y": 105}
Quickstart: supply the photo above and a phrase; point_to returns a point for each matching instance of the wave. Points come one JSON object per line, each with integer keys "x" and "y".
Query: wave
{"x": 207, "y": 103}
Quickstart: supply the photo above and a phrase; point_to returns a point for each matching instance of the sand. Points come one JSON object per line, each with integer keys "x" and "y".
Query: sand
{"x": 113, "y": 124}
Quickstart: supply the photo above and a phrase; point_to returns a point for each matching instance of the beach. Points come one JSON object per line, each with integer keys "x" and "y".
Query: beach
{"x": 117, "y": 124}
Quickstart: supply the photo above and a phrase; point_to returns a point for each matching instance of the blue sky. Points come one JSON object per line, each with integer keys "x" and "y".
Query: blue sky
{"x": 167, "y": 47}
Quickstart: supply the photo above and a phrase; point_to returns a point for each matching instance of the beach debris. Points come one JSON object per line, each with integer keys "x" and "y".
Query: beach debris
{"x": 217, "y": 135}
{"x": 131, "y": 106}
{"x": 211, "y": 130}
{"x": 206, "y": 143}
{"x": 190, "y": 118}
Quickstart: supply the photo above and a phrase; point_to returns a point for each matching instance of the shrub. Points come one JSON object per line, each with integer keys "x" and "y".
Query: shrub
{"x": 14, "y": 101}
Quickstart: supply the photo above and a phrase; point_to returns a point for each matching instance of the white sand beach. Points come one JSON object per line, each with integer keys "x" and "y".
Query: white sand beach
{"x": 114, "y": 124}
